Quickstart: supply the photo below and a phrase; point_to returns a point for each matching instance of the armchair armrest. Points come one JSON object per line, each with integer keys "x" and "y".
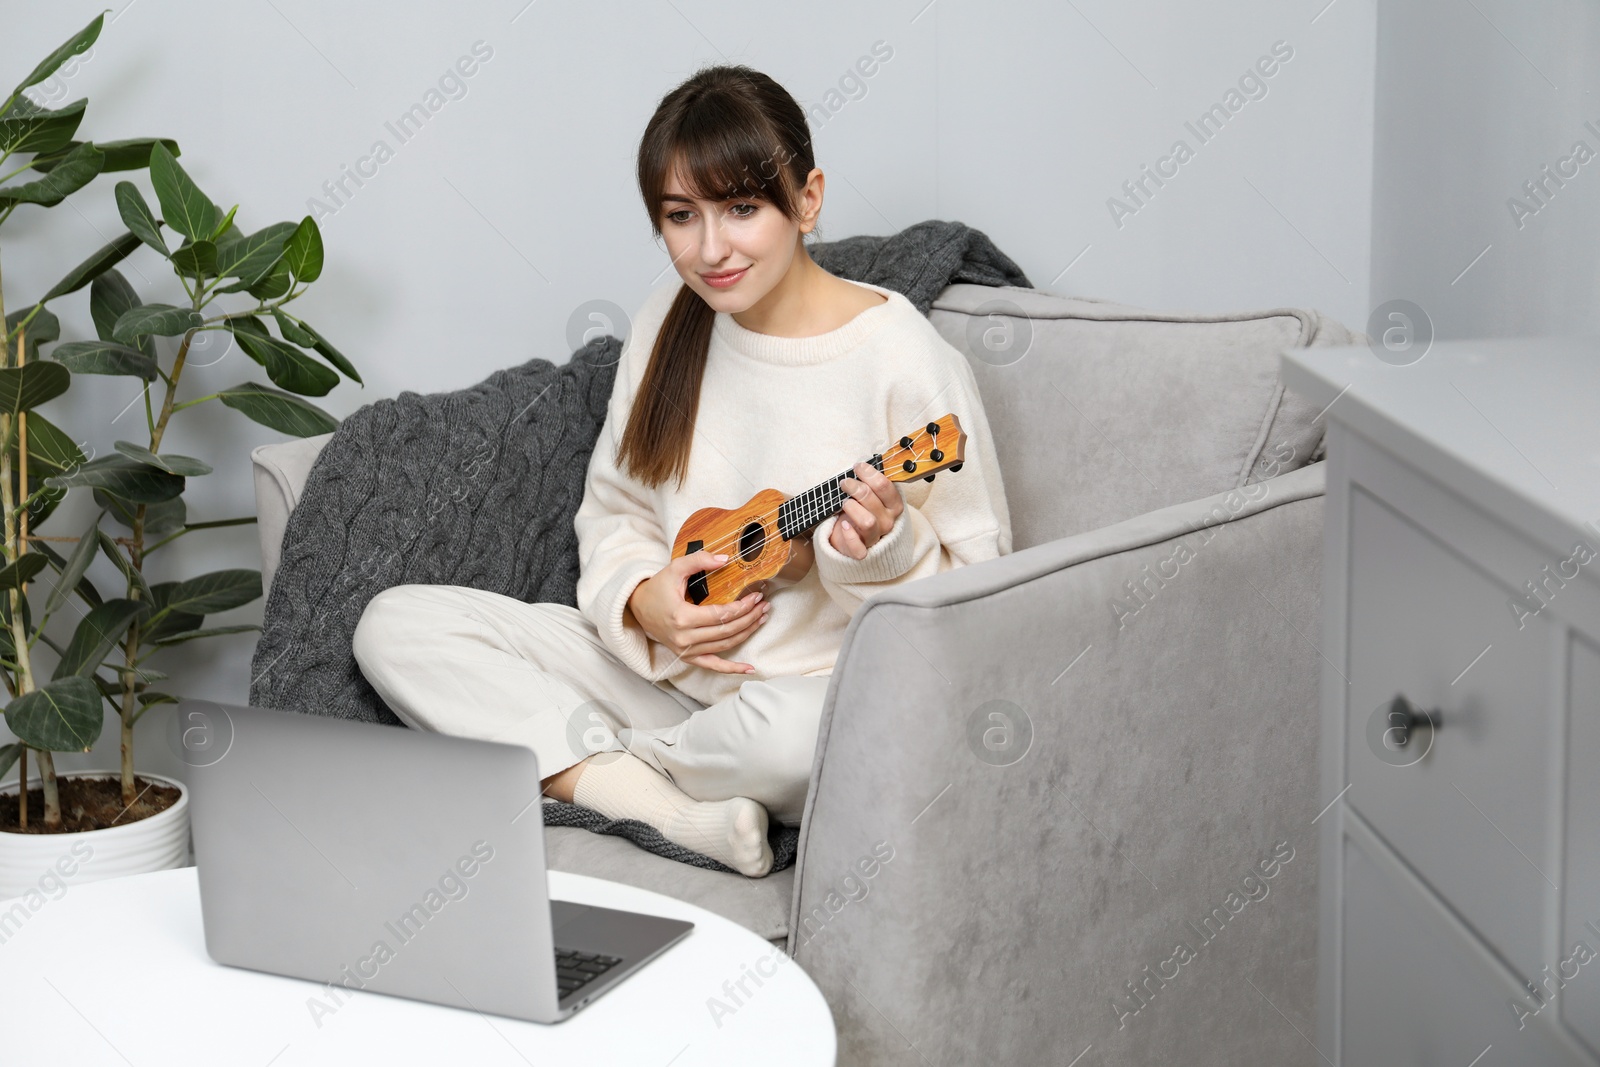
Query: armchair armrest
{"x": 1036, "y": 777}
{"x": 280, "y": 471}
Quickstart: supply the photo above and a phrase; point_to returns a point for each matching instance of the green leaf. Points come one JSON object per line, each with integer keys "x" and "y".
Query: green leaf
{"x": 168, "y": 622}
{"x": 184, "y": 207}
{"x": 111, "y": 689}
{"x": 64, "y": 716}
{"x": 160, "y": 519}
{"x": 198, "y": 258}
{"x": 109, "y": 296}
{"x": 17, "y": 575}
{"x": 72, "y": 571}
{"x": 283, "y": 412}
{"x": 138, "y": 218}
{"x": 97, "y": 634}
{"x": 252, "y": 257}
{"x": 75, "y": 45}
{"x": 214, "y": 592}
{"x": 212, "y": 631}
{"x": 104, "y": 357}
{"x": 286, "y": 365}
{"x": 171, "y": 463}
{"x": 303, "y": 253}
{"x": 163, "y": 320}
{"x": 291, "y": 329}
{"x": 27, "y": 387}
{"x": 130, "y": 480}
{"x": 130, "y": 154}
{"x": 302, "y": 334}
{"x": 108, "y": 256}
{"x": 27, "y": 127}
{"x": 50, "y": 450}
{"x": 222, "y": 235}
{"x": 76, "y": 169}
{"x": 274, "y": 284}
{"x": 114, "y": 553}
{"x": 9, "y": 754}
{"x": 226, "y": 231}
{"x": 44, "y": 504}
{"x": 44, "y": 328}
{"x": 150, "y": 697}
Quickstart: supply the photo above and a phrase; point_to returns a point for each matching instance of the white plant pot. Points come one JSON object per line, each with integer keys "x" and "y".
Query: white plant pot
{"x": 44, "y": 865}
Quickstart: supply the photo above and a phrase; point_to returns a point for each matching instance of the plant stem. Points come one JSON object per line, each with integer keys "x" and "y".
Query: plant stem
{"x": 188, "y": 527}
{"x": 19, "y": 634}
{"x": 22, "y": 780}
{"x": 52, "y": 796}
{"x": 26, "y": 321}
{"x": 136, "y": 553}
{"x": 166, "y": 403}
{"x": 196, "y": 400}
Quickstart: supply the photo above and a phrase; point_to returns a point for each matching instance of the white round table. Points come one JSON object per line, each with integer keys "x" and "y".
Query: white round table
{"x": 115, "y": 972}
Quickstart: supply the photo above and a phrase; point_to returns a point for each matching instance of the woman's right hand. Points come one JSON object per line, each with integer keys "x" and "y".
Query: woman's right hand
{"x": 696, "y": 632}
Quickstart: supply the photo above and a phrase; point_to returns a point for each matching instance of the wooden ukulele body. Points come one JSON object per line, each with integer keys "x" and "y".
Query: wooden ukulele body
{"x": 748, "y": 535}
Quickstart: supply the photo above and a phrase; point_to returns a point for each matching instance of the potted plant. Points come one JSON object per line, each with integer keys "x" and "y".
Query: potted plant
{"x": 131, "y": 821}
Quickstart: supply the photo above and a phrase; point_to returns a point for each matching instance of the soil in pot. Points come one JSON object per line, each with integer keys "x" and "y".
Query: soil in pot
{"x": 89, "y": 804}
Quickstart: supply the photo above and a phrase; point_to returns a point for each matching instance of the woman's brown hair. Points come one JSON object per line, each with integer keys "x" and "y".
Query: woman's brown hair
{"x": 734, "y": 134}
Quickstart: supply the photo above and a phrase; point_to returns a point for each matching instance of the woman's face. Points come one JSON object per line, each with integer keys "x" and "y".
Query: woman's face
{"x": 749, "y": 243}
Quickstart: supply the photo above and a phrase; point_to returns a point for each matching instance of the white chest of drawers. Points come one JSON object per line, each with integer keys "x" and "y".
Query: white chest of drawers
{"x": 1460, "y": 749}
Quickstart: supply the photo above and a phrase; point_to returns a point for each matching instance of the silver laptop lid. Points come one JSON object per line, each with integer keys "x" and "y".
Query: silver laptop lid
{"x": 371, "y": 857}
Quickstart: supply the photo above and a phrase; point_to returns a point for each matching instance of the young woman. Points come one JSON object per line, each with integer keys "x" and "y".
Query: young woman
{"x": 755, "y": 368}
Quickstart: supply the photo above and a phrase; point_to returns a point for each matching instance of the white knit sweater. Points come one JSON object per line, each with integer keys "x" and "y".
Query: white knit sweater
{"x": 884, "y": 373}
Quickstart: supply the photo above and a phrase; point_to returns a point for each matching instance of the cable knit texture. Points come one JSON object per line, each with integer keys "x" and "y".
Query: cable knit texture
{"x": 473, "y": 488}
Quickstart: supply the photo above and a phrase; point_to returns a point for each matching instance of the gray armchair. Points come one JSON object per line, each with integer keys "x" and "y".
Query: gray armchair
{"x": 1064, "y": 798}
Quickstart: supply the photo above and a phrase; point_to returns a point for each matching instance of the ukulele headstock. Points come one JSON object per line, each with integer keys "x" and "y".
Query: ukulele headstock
{"x": 934, "y": 447}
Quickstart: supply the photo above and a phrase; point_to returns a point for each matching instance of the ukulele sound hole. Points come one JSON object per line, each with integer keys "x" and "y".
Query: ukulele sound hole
{"x": 751, "y": 540}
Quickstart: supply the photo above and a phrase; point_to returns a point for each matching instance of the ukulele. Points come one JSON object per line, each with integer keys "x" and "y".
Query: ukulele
{"x": 756, "y": 536}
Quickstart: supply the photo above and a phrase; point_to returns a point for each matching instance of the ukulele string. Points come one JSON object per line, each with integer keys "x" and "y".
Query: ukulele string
{"x": 766, "y": 515}
{"x": 732, "y": 539}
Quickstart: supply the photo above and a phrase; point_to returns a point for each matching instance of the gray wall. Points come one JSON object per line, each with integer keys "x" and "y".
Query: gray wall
{"x": 1475, "y": 100}
{"x": 472, "y": 247}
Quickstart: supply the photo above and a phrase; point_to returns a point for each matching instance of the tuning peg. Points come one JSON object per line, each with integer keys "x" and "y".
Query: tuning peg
{"x": 936, "y": 455}
{"x": 905, "y": 442}
{"x": 909, "y": 465}
{"x": 929, "y": 478}
{"x": 955, "y": 467}
{"x": 933, "y": 429}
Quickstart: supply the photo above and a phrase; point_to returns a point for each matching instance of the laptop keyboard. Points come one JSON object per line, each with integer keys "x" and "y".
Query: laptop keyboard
{"x": 574, "y": 970}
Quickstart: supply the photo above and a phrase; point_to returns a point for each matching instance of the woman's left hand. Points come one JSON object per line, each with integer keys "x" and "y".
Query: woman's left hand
{"x": 871, "y": 512}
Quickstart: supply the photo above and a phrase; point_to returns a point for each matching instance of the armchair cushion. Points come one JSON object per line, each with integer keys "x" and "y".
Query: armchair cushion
{"x": 1102, "y": 411}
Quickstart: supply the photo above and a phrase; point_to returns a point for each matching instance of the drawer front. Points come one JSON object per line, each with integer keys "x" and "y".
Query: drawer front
{"x": 1579, "y": 968}
{"x": 1415, "y": 994}
{"x": 1464, "y": 804}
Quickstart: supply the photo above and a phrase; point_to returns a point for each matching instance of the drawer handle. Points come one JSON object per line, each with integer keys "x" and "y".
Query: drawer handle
{"x": 1408, "y": 729}
{"x": 1399, "y": 733}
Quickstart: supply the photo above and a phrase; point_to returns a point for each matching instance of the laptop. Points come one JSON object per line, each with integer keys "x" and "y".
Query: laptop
{"x": 394, "y": 861}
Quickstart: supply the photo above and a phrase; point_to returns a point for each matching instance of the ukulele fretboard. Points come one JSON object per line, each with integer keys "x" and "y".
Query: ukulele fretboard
{"x": 800, "y": 513}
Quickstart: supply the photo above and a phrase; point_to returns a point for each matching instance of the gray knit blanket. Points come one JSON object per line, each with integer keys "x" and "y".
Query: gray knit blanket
{"x": 478, "y": 488}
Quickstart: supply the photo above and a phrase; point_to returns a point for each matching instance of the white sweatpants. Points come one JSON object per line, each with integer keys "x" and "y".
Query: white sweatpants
{"x": 476, "y": 664}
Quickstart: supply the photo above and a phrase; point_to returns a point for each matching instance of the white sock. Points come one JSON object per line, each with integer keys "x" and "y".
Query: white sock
{"x": 620, "y": 785}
